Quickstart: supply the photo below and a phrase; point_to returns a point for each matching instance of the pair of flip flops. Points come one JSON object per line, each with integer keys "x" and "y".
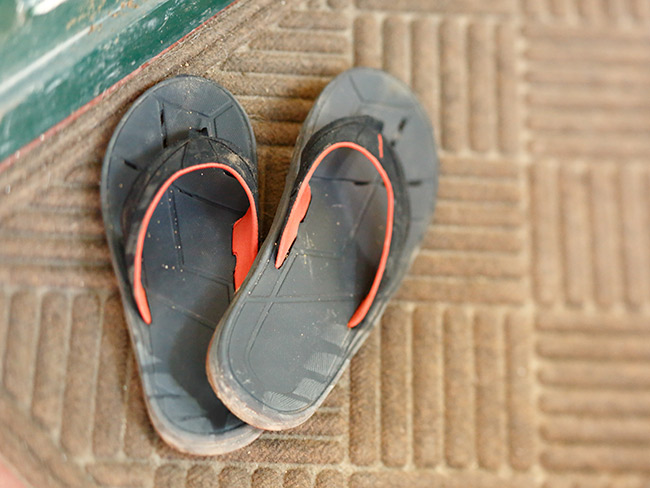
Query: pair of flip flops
{"x": 231, "y": 339}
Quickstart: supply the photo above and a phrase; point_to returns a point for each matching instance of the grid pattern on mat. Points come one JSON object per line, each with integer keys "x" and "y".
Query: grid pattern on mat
{"x": 516, "y": 352}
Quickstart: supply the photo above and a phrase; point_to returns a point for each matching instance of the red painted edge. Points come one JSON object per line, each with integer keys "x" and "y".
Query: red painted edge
{"x": 11, "y": 159}
{"x": 8, "y": 476}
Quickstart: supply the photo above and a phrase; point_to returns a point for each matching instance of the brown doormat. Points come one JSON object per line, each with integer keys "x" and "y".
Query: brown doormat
{"x": 517, "y": 352}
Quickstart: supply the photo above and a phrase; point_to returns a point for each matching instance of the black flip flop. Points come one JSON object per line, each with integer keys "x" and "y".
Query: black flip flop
{"x": 343, "y": 238}
{"x": 179, "y": 201}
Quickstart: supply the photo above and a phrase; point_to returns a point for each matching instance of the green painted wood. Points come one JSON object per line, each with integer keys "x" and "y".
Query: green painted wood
{"x": 56, "y": 55}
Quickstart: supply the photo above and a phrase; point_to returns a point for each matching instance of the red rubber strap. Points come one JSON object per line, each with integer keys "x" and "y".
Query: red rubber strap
{"x": 244, "y": 236}
{"x": 301, "y": 205}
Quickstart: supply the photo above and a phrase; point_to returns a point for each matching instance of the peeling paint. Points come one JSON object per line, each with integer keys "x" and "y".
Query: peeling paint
{"x": 45, "y": 6}
{"x": 65, "y": 52}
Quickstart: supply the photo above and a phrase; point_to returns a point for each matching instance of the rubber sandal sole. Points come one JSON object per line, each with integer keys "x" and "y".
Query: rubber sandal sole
{"x": 283, "y": 343}
{"x": 187, "y": 256}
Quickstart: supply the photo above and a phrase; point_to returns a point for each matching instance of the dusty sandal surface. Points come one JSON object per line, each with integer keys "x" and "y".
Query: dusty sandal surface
{"x": 179, "y": 201}
{"x": 359, "y": 195}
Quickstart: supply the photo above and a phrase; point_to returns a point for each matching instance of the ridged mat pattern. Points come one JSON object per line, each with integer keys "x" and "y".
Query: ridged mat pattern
{"x": 517, "y": 353}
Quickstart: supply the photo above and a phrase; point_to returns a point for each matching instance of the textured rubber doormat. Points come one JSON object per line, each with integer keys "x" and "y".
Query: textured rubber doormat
{"x": 517, "y": 351}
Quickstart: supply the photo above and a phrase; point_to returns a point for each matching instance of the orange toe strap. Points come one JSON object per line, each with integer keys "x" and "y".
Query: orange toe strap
{"x": 244, "y": 242}
{"x": 301, "y": 206}
{"x": 244, "y": 235}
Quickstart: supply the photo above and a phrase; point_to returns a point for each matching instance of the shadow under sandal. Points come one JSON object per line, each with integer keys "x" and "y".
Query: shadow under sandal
{"x": 353, "y": 212}
{"x": 179, "y": 200}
